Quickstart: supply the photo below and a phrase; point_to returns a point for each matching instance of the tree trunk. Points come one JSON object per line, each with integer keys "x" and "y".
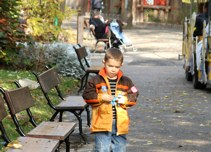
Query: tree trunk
{"x": 129, "y": 13}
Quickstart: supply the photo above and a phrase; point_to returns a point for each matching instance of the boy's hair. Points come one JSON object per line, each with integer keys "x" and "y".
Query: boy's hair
{"x": 113, "y": 53}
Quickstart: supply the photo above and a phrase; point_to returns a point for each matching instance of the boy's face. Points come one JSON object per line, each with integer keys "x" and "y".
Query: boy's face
{"x": 112, "y": 67}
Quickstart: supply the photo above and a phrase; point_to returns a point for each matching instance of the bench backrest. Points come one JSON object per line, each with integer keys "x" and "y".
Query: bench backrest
{"x": 82, "y": 55}
{"x": 48, "y": 79}
{"x": 19, "y": 100}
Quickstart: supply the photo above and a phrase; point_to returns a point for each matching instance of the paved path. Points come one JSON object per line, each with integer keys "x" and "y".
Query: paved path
{"x": 170, "y": 115}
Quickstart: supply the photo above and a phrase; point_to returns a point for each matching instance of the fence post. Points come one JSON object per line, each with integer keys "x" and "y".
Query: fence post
{"x": 80, "y": 28}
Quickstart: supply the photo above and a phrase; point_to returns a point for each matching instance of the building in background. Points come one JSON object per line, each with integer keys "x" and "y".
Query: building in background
{"x": 138, "y": 11}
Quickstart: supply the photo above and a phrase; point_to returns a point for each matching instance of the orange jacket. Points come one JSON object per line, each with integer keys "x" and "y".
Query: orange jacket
{"x": 101, "y": 111}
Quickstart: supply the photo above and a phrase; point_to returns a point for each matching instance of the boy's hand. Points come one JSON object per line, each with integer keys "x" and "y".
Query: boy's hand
{"x": 107, "y": 98}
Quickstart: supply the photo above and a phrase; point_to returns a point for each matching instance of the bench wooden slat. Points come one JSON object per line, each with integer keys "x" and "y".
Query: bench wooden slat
{"x": 94, "y": 69}
{"x": 30, "y": 144}
{"x": 72, "y": 102}
{"x": 52, "y": 130}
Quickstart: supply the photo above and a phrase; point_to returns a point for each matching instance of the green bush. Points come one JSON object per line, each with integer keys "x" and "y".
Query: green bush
{"x": 44, "y": 18}
{"x": 61, "y": 55}
{"x": 10, "y": 30}
{"x": 28, "y": 21}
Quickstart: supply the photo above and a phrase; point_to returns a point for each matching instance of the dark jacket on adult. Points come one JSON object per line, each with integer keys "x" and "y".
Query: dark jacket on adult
{"x": 99, "y": 28}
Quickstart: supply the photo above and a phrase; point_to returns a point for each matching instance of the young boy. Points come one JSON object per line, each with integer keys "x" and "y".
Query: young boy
{"x": 109, "y": 94}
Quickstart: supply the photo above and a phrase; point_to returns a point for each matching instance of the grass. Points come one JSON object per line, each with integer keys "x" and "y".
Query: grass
{"x": 41, "y": 111}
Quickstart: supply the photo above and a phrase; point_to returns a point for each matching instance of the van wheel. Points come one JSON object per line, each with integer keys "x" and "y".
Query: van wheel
{"x": 196, "y": 83}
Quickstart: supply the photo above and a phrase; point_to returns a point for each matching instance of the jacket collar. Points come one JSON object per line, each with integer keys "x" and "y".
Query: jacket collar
{"x": 102, "y": 72}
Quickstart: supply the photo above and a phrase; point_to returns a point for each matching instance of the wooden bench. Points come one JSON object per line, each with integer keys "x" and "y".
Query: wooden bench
{"x": 29, "y": 144}
{"x": 49, "y": 81}
{"x": 20, "y": 100}
{"x": 85, "y": 66}
{"x": 25, "y": 143}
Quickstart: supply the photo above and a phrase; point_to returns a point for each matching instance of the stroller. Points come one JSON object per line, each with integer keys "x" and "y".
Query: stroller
{"x": 117, "y": 37}
{"x": 111, "y": 34}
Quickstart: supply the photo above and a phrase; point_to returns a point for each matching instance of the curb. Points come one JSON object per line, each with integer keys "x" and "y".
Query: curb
{"x": 157, "y": 25}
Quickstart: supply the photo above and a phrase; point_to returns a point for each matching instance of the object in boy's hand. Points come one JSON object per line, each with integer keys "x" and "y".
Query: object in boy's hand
{"x": 120, "y": 99}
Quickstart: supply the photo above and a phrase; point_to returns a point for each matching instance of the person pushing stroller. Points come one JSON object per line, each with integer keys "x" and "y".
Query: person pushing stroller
{"x": 98, "y": 25}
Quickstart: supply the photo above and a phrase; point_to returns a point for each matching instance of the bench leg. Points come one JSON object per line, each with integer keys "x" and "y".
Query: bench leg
{"x": 84, "y": 139}
{"x": 54, "y": 115}
{"x": 18, "y": 128}
{"x": 60, "y": 116}
{"x": 31, "y": 118}
{"x": 87, "y": 76}
{"x": 78, "y": 116}
{"x": 67, "y": 142}
{"x": 82, "y": 83}
{"x": 4, "y": 135}
{"x": 96, "y": 46}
